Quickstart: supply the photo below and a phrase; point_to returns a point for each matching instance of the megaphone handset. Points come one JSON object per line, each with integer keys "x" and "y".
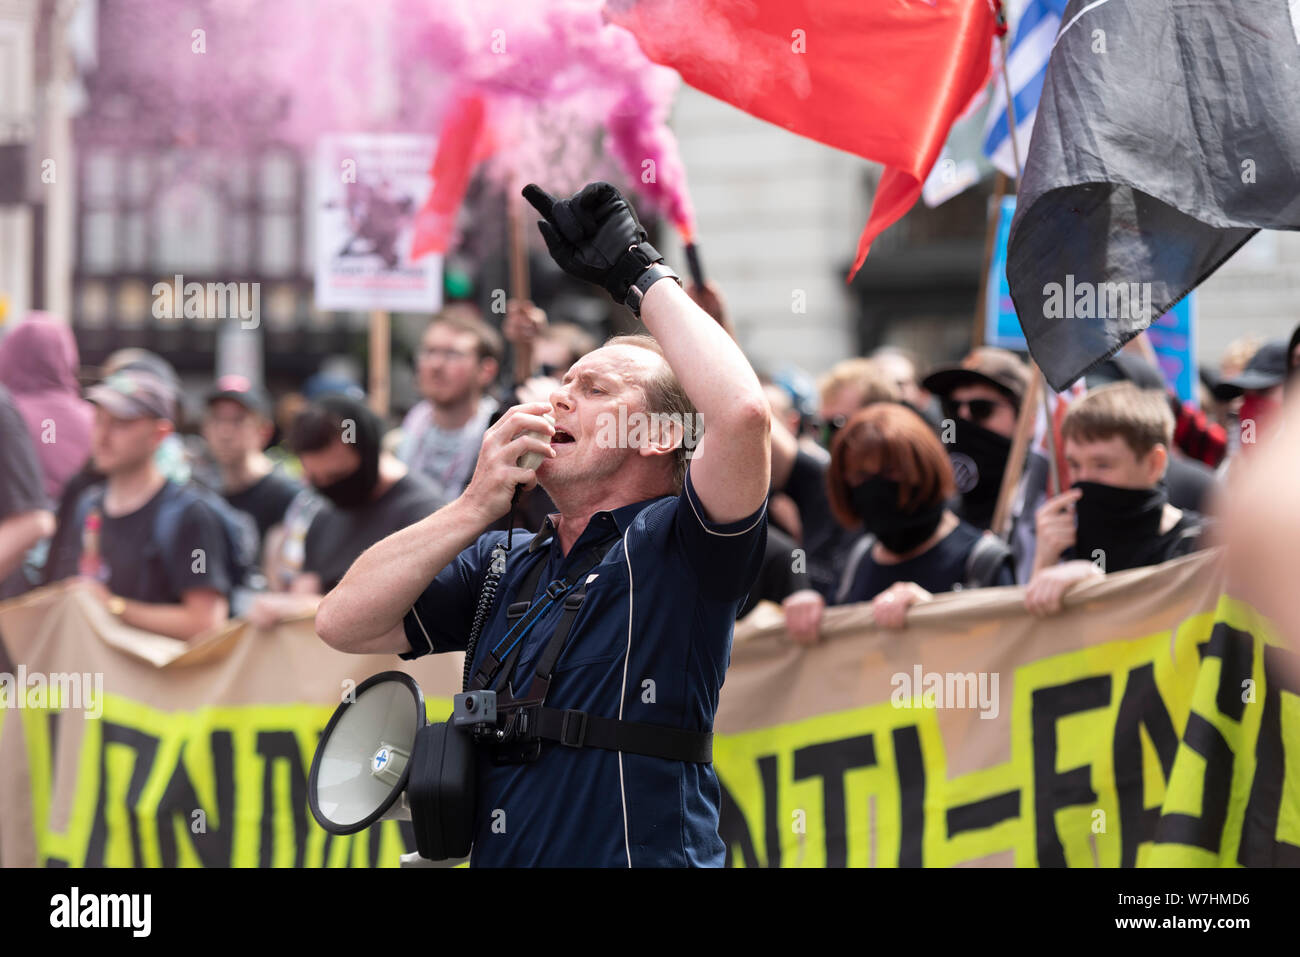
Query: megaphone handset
{"x": 497, "y": 568}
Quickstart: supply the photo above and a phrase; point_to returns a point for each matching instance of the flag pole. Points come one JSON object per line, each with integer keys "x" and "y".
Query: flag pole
{"x": 519, "y": 285}
{"x": 990, "y": 237}
{"x": 1028, "y": 409}
{"x": 379, "y": 346}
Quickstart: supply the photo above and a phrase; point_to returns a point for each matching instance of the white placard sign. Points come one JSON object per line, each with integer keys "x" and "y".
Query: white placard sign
{"x": 369, "y": 188}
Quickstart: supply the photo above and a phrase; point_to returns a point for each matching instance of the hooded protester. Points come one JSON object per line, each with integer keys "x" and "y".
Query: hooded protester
{"x": 370, "y": 495}
{"x": 38, "y": 365}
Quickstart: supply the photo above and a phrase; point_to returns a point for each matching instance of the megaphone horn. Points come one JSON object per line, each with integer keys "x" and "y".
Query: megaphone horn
{"x": 362, "y": 760}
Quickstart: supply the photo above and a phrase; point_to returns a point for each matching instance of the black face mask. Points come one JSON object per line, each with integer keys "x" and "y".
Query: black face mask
{"x": 355, "y": 488}
{"x": 979, "y": 459}
{"x": 1122, "y": 523}
{"x": 876, "y": 500}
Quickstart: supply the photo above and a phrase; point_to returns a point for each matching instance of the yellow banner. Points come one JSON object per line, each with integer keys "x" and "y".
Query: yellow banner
{"x": 1155, "y": 722}
{"x": 185, "y": 755}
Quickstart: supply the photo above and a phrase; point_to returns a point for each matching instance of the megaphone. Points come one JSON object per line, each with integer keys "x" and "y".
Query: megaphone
{"x": 363, "y": 760}
{"x": 380, "y": 759}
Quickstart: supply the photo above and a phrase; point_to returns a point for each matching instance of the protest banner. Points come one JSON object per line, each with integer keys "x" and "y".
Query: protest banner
{"x": 1155, "y": 722}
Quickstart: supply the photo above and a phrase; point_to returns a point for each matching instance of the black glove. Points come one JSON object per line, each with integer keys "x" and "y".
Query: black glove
{"x": 595, "y": 236}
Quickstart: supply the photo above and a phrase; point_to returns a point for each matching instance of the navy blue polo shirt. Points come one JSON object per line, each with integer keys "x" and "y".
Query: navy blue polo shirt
{"x": 651, "y": 643}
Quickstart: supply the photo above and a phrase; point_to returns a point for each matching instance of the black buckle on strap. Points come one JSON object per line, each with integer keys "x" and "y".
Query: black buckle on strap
{"x": 556, "y": 588}
{"x": 573, "y": 729}
{"x": 517, "y": 609}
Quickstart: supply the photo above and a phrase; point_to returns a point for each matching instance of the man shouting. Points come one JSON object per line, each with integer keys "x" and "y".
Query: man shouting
{"x": 639, "y": 573}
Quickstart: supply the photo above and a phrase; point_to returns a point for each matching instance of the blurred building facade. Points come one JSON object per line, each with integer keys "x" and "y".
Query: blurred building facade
{"x": 89, "y": 224}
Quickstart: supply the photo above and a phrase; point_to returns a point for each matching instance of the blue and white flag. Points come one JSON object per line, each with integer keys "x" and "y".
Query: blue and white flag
{"x": 1027, "y": 68}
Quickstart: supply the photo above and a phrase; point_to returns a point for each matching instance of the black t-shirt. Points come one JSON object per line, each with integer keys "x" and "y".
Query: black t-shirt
{"x": 338, "y": 536}
{"x": 777, "y": 578}
{"x": 939, "y": 569}
{"x": 140, "y": 565}
{"x": 65, "y": 547}
{"x": 826, "y": 542}
{"x": 22, "y": 487}
{"x": 266, "y": 499}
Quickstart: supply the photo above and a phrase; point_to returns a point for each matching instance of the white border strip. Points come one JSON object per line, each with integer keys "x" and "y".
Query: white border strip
{"x": 622, "y": 790}
{"x": 1077, "y": 17}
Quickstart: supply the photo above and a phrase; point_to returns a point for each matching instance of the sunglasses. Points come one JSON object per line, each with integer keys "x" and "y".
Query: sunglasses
{"x": 980, "y": 409}
{"x": 826, "y": 428}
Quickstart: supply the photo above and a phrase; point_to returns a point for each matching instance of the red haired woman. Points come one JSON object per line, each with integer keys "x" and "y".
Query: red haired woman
{"x": 890, "y": 473}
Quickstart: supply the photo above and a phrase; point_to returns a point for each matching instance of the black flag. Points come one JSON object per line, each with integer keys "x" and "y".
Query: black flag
{"x": 1168, "y": 133}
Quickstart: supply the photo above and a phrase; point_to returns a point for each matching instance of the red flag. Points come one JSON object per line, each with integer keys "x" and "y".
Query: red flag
{"x": 465, "y": 140}
{"x": 884, "y": 79}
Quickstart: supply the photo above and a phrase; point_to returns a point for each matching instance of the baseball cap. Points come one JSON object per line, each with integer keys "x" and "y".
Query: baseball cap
{"x": 134, "y": 393}
{"x": 240, "y": 389}
{"x": 998, "y": 368}
{"x": 1125, "y": 367}
{"x": 1266, "y": 368}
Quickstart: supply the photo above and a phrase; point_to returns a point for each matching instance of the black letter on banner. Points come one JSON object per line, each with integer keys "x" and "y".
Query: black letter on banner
{"x": 213, "y": 846}
{"x": 283, "y": 745}
{"x": 984, "y": 813}
{"x": 1235, "y": 650}
{"x": 911, "y": 794}
{"x": 1259, "y": 844}
{"x": 1205, "y": 831}
{"x": 830, "y": 761}
{"x": 1054, "y": 790}
{"x": 767, "y": 772}
{"x": 146, "y": 748}
{"x": 1140, "y": 706}
{"x": 734, "y": 829}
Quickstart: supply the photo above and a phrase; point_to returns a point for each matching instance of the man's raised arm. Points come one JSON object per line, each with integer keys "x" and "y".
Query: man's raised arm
{"x": 597, "y": 237}
{"x": 363, "y": 613}
{"x": 731, "y": 467}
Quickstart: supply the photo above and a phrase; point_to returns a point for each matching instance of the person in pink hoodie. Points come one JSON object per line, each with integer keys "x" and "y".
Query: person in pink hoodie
{"x": 38, "y": 365}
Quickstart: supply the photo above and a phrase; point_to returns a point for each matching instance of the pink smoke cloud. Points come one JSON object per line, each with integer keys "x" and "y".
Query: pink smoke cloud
{"x": 569, "y": 91}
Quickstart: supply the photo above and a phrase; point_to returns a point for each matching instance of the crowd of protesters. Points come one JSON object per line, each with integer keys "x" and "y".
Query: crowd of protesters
{"x": 887, "y": 485}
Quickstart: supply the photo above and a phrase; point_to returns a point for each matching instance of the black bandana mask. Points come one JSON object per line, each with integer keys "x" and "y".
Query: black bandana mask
{"x": 876, "y": 500}
{"x": 979, "y": 458}
{"x": 1123, "y": 524}
{"x": 355, "y": 488}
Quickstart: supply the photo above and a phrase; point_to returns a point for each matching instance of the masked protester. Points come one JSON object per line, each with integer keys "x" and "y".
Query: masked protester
{"x": 980, "y": 400}
{"x": 1117, "y": 515}
{"x": 890, "y": 475}
{"x": 1259, "y": 386}
{"x": 370, "y": 494}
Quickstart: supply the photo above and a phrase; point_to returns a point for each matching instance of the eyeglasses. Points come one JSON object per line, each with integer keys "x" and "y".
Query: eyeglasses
{"x": 980, "y": 409}
{"x": 451, "y": 355}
